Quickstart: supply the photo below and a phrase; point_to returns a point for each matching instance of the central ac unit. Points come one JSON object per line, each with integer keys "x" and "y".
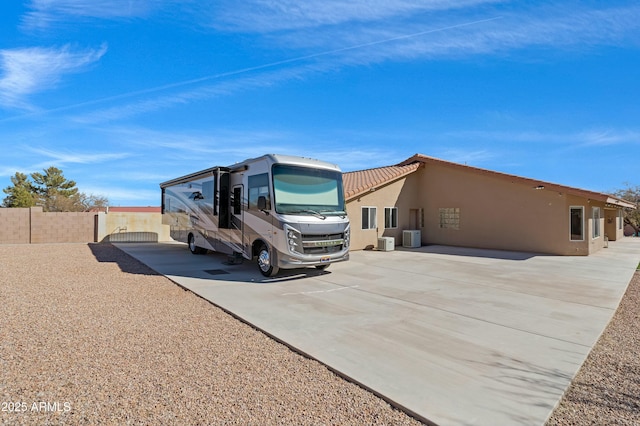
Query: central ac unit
{"x": 386, "y": 244}
{"x": 411, "y": 238}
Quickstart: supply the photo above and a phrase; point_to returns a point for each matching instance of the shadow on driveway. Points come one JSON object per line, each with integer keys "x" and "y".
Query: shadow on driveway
{"x": 176, "y": 262}
{"x": 107, "y": 252}
{"x": 472, "y": 252}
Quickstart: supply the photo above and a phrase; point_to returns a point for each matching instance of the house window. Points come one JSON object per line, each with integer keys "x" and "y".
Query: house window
{"x": 595, "y": 213}
{"x": 390, "y": 217}
{"x": 369, "y": 218}
{"x": 450, "y": 218}
{"x": 620, "y": 219}
{"x": 577, "y": 223}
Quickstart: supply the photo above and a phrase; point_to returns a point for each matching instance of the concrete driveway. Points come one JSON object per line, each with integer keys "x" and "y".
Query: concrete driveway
{"x": 452, "y": 335}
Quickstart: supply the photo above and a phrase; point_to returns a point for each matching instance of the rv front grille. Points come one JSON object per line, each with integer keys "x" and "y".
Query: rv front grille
{"x": 322, "y": 244}
{"x": 322, "y": 237}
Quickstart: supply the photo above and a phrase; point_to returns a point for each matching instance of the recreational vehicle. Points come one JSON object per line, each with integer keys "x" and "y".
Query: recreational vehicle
{"x": 286, "y": 212}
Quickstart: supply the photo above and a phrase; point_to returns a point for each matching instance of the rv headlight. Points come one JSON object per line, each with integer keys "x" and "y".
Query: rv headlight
{"x": 347, "y": 237}
{"x": 293, "y": 238}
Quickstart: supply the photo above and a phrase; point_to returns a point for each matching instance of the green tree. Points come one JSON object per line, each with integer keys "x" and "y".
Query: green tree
{"x": 20, "y": 194}
{"x": 631, "y": 216}
{"x": 54, "y": 192}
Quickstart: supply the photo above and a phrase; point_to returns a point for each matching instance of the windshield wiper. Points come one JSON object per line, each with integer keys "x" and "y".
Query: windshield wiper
{"x": 313, "y": 212}
{"x": 338, "y": 213}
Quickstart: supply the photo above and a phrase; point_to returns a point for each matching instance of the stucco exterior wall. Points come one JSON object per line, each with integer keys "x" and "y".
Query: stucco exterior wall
{"x": 401, "y": 194}
{"x": 613, "y": 224}
{"x": 133, "y": 226}
{"x": 483, "y": 210}
{"x": 499, "y": 213}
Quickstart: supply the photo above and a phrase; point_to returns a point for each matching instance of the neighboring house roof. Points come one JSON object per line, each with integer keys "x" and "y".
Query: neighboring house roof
{"x": 363, "y": 181}
{"x": 537, "y": 184}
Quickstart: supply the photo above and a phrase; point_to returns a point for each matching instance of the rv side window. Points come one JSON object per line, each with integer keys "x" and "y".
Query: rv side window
{"x": 207, "y": 190}
{"x": 258, "y": 186}
{"x": 237, "y": 200}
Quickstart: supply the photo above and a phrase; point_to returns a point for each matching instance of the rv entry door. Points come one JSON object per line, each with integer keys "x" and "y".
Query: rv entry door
{"x": 237, "y": 219}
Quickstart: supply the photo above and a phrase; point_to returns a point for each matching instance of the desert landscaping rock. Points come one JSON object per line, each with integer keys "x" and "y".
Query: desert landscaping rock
{"x": 89, "y": 335}
{"x": 606, "y": 390}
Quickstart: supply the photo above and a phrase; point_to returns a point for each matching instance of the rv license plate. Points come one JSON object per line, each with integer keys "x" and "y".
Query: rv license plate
{"x": 325, "y": 259}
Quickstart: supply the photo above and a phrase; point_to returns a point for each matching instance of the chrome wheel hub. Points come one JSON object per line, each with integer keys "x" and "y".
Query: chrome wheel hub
{"x": 264, "y": 262}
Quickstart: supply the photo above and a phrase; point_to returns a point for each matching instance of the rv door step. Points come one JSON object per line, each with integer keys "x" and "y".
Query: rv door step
{"x": 235, "y": 259}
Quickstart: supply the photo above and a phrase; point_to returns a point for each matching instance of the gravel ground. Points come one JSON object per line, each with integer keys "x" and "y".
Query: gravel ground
{"x": 606, "y": 390}
{"x": 89, "y": 335}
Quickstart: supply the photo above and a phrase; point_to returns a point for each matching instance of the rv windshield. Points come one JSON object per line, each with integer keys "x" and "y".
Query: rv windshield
{"x": 303, "y": 190}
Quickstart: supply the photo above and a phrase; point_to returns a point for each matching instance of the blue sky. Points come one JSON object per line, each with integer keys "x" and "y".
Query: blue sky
{"x": 122, "y": 95}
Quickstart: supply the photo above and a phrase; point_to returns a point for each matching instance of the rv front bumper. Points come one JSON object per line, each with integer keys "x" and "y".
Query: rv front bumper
{"x": 289, "y": 262}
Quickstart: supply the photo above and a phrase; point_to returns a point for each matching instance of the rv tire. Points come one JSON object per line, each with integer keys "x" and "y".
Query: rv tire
{"x": 265, "y": 262}
{"x": 193, "y": 247}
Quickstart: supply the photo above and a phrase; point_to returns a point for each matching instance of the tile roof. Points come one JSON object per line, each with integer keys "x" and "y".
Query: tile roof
{"x": 538, "y": 184}
{"x": 359, "y": 182}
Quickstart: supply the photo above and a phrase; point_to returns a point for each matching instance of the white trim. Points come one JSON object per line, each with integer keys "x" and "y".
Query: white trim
{"x": 375, "y": 218}
{"x": 390, "y": 217}
{"x": 620, "y": 220}
{"x": 595, "y": 225}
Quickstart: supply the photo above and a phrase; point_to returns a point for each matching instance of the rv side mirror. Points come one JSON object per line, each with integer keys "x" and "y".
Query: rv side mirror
{"x": 262, "y": 203}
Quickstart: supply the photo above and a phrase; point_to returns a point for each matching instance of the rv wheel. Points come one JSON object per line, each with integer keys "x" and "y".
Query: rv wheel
{"x": 193, "y": 247}
{"x": 265, "y": 262}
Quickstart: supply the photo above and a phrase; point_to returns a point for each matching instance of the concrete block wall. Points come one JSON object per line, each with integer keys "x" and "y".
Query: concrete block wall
{"x": 67, "y": 227}
{"x": 14, "y": 226}
{"x": 32, "y": 225}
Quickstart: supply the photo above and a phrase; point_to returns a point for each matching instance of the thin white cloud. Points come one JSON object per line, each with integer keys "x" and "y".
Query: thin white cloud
{"x": 377, "y": 31}
{"x": 442, "y": 36}
{"x": 226, "y": 146}
{"x": 61, "y": 157}
{"x": 461, "y": 35}
{"x": 589, "y": 137}
{"x": 12, "y": 170}
{"x": 204, "y": 88}
{"x": 44, "y": 13}
{"x": 26, "y": 71}
{"x": 280, "y": 15}
{"x": 609, "y": 137}
{"x": 350, "y": 159}
{"x": 475, "y": 158}
{"x": 119, "y": 194}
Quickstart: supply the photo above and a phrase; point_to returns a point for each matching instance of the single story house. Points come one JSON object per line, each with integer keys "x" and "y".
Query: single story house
{"x": 459, "y": 205}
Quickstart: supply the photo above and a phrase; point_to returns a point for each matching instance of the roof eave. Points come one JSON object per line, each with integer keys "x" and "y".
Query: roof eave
{"x": 369, "y": 188}
{"x": 605, "y": 198}
{"x": 621, "y": 203}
